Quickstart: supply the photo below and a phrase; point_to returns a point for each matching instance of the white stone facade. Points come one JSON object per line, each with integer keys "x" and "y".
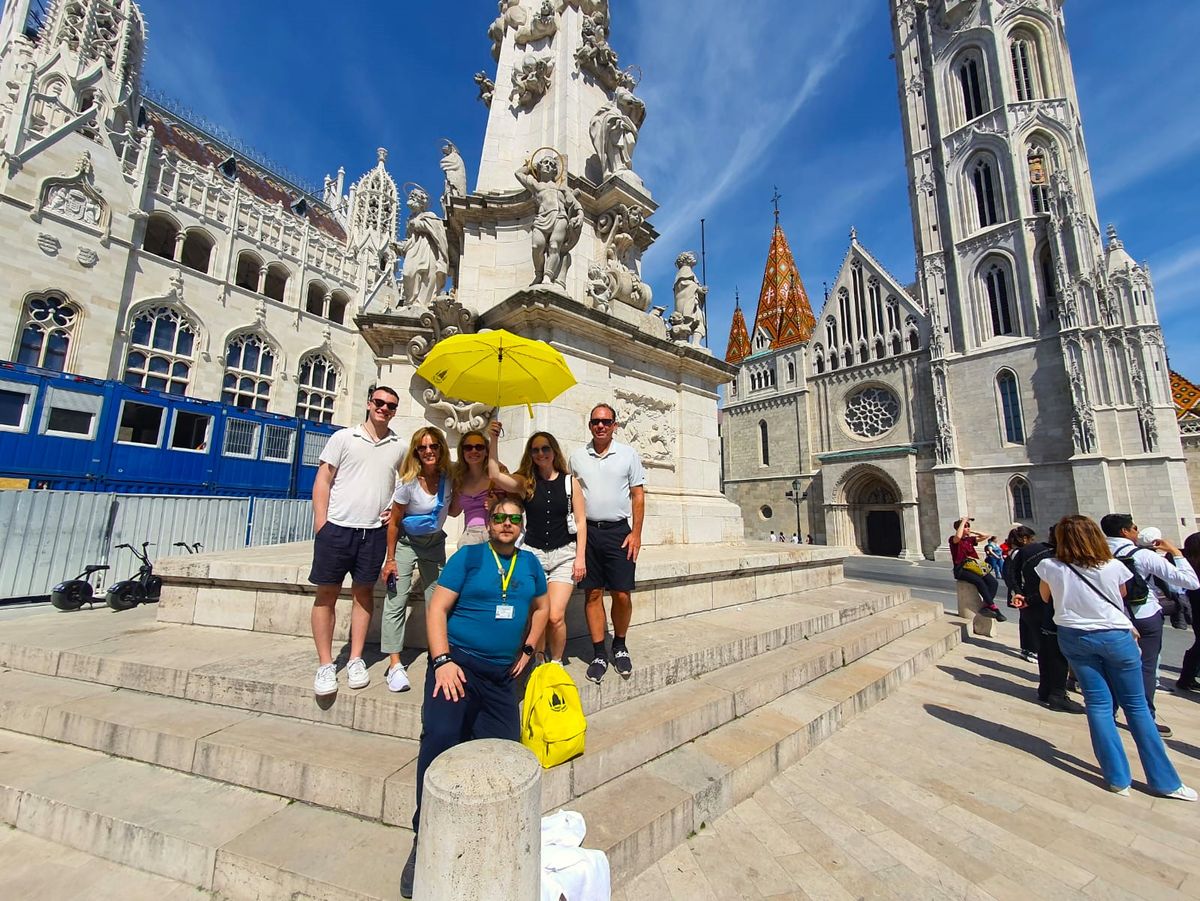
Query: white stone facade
{"x": 1027, "y": 363}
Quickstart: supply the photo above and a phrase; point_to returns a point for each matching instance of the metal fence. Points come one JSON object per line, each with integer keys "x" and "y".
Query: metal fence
{"x": 50, "y": 536}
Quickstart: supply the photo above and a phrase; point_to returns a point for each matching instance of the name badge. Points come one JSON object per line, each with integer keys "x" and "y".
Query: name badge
{"x": 504, "y": 611}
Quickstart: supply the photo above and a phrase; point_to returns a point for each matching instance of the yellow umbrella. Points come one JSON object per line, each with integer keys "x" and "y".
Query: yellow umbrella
{"x": 497, "y": 368}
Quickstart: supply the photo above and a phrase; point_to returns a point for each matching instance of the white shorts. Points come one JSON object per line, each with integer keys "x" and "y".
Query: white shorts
{"x": 557, "y": 563}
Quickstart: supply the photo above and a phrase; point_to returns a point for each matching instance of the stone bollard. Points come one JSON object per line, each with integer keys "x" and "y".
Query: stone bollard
{"x": 969, "y": 606}
{"x": 481, "y": 825}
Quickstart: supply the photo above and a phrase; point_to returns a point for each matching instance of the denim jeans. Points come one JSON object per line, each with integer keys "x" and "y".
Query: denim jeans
{"x": 1111, "y": 657}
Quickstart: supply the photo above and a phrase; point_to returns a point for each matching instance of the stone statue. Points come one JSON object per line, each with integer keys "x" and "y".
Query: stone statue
{"x": 599, "y": 288}
{"x": 614, "y": 131}
{"x": 616, "y": 227}
{"x": 559, "y": 220}
{"x": 456, "y": 171}
{"x": 543, "y": 24}
{"x": 690, "y": 295}
{"x": 531, "y": 80}
{"x": 595, "y": 56}
{"x": 487, "y": 88}
{"x": 512, "y": 15}
{"x": 426, "y": 252}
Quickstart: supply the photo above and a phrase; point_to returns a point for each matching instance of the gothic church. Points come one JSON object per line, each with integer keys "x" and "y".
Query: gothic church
{"x": 1021, "y": 378}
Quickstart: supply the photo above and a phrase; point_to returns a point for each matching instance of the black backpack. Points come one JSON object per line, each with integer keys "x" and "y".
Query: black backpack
{"x": 1137, "y": 592}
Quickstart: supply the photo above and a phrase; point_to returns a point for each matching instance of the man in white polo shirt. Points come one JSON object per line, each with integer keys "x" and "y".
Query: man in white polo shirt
{"x": 612, "y": 477}
{"x": 353, "y": 488}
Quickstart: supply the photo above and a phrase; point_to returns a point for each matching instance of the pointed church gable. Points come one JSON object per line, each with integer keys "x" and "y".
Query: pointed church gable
{"x": 784, "y": 316}
{"x": 738, "y": 347}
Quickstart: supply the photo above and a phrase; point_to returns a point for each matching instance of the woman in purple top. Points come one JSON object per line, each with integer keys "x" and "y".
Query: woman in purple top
{"x": 969, "y": 568}
{"x": 470, "y": 482}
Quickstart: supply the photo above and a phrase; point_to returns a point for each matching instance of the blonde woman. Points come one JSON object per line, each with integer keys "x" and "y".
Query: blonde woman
{"x": 470, "y": 482}
{"x": 415, "y": 539}
{"x": 555, "y": 522}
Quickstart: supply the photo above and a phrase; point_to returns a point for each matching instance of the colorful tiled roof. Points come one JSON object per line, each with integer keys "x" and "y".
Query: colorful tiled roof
{"x": 1186, "y": 396}
{"x": 784, "y": 312}
{"x": 192, "y": 144}
{"x": 738, "y": 347}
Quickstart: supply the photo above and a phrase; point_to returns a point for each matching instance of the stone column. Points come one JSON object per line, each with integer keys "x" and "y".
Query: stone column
{"x": 481, "y": 826}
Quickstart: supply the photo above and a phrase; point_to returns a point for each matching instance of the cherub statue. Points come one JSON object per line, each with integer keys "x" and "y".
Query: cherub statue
{"x": 559, "y": 219}
{"x": 690, "y": 294}
{"x": 543, "y": 24}
{"x": 487, "y": 88}
{"x": 456, "y": 171}
{"x": 531, "y": 79}
{"x": 426, "y": 251}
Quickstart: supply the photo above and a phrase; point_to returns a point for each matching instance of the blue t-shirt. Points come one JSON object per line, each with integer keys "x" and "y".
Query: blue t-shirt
{"x": 472, "y": 625}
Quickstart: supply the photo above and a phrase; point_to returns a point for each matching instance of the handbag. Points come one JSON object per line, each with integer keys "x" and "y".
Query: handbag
{"x": 977, "y": 566}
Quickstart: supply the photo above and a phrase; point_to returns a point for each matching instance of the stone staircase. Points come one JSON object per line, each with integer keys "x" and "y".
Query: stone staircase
{"x": 180, "y": 749}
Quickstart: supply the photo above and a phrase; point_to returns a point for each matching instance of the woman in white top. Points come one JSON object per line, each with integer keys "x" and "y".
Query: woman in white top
{"x": 414, "y": 539}
{"x": 1087, "y": 587}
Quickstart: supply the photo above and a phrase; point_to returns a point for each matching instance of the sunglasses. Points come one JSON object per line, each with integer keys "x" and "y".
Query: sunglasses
{"x": 435, "y": 447}
{"x": 515, "y": 518}
{"x": 544, "y": 449}
{"x": 600, "y": 422}
{"x": 381, "y": 404}
{"x": 474, "y": 447}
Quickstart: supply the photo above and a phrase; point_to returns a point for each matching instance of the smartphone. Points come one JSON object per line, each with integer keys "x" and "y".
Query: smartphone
{"x": 391, "y": 583}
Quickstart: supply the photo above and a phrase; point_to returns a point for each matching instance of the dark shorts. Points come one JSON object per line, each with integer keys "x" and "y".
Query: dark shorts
{"x": 338, "y": 550}
{"x": 608, "y": 564}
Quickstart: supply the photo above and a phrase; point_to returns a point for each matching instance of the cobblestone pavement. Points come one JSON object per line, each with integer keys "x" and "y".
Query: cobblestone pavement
{"x": 959, "y": 786}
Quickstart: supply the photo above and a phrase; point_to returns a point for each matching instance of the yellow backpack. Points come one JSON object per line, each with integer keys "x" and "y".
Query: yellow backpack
{"x": 553, "y": 726}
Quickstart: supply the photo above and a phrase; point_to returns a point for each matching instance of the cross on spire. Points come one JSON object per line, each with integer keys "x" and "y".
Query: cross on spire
{"x": 775, "y": 198}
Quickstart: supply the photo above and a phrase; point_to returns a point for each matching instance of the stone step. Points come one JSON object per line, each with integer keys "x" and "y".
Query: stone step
{"x": 641, "y": 815}
{"x": 237, "y": 843}
{"x": 374, "y": 776}
{"x": 272, "y": 674}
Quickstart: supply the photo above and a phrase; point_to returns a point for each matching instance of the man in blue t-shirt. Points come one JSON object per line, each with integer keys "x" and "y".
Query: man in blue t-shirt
{"x": 486, "y": 616}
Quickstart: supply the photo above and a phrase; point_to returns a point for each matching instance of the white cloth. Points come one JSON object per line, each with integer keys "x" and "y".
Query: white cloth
{"x": 1178, "y": 575}
{"x": 1076, "y": 606}
{"x": 569, "y": 871}
{"x": 607, "y": 480}
{"x": 365, "y": 478}
{"x": 417, "y": 500}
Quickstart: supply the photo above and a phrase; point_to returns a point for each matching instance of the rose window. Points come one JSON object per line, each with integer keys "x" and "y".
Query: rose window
{"x": 872, "y": 411}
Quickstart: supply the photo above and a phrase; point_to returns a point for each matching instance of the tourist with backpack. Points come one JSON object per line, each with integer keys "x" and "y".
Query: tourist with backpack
{"x": 487, "y": 613}
{"x": 1087, "y": 586}
{"x": 1144, "y": 598}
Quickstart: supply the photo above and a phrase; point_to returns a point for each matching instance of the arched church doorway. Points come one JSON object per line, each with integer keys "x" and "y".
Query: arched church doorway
{"x": 873, "y": 502}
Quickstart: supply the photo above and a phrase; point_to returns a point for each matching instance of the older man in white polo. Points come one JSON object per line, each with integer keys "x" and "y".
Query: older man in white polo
{"x": 612, "y": 477}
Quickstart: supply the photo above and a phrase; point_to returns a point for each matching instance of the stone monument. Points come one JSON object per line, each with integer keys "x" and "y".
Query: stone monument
{"x": 549, "y": 245}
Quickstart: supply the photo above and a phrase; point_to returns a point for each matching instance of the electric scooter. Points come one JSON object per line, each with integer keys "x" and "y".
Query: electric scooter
{"x": 74, "y": 593}
{"x": 144, "y": 587}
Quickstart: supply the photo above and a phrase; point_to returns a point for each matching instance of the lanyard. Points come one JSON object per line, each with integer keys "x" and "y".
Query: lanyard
{"x": 504, "y": 579}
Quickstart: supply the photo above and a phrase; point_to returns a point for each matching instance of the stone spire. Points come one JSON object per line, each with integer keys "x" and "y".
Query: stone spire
{"x": 784, "y": 313}
{"x": 112, "y": 32}
{"x": 373, "y": 202}
{"x": 738, "y": 347}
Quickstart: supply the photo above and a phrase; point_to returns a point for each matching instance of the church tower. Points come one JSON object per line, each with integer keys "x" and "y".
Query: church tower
{"x": 1047, "y": 361}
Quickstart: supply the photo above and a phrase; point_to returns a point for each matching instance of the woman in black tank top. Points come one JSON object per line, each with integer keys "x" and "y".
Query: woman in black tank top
{"x": 555, "y": 522}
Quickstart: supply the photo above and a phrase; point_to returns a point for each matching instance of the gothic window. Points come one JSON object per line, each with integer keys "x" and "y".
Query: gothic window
{"x": 276, "y": 281}
{"x": 1022, "y": 498}
{"x": 819, "y": 359}
{"x": 831, "y": 333}
{"x": 872, "y": 411}
{"x": 249, "y": 368}
{"x": 999, "y": 296}
{"x": 847, "y": 356}
{"x": 914, "y": 339}
{"x": 249, "y": 271}
{"x": 864, "y": 355}
{"x": 338, "y": 303}
{"x": 974, "y": 93}
{"x": 1026, "y": 66}
{"x": 860, "y": 300}
{"x": 880, "y": 350}
{"x": 197, "y": 250}
{"x": 876, "y": 306}
{"x": 1010, "y": 407}
{"x": 1039, "y": 179}
{"x": 1047, "y": 278}
{"x": 844, "y": 308}
{"x": 314, "y": 300}
{"x": 317, "y": 381}
{"x": 893, "y": 314}
{"x": 161, "y": 236}
{"x": 764, "y": 444}
{"x": 47, "y": 328}
{"x": 161, "y": 351}
{"x": 897, "y": 346}
{"x": 791, "y": 371}
{"x": 985, "y": 183}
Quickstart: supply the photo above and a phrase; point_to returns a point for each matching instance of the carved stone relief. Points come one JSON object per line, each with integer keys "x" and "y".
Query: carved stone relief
{"x": 87, "y": 257}
{"x": 48, "y": 244}
{"x": 598, "y": 59}
{"x": 531, "y": 80}
{"x": 74, "y": 197}
{"x": 542, "y": 24}
{"x": 616, "y": 227}
{"x": 445, "y": 317}
{"x": 648, "y": 425}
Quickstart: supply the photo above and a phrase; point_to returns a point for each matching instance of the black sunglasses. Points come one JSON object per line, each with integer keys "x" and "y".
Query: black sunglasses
{"x": 431, "y": 447}
{"x": 381, "y": 404}
{"x": 515, "y": 518}
{"x": 474, "y": 447}
{"x": 605, "y": 422}
{"x": 544, "y": 449}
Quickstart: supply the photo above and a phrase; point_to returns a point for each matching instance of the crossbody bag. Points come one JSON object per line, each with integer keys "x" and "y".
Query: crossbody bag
{"x": 1107, "y": 599}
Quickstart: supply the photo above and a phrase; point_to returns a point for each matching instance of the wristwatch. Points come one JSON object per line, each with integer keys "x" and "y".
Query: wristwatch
{"x": 440, "y": 660}
{"x": 527, "y": 649}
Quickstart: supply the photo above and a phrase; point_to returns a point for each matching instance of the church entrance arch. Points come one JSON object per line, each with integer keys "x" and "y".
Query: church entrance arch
{"x": 872, "y": 501}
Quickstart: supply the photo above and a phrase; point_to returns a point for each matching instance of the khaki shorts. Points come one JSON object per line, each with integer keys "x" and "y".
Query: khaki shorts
{"x": 557, "y": 563}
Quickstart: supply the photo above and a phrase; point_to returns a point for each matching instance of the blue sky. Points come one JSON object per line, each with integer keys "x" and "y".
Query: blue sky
{"x": 741, "y": 96}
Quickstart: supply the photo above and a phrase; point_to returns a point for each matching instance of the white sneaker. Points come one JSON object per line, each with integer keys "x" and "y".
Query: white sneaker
{"x": 1183, "y": 793}
{"x": 326, "y": 681}
{"x": 397, "y": 678}
{"x": 356, "y": 674}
